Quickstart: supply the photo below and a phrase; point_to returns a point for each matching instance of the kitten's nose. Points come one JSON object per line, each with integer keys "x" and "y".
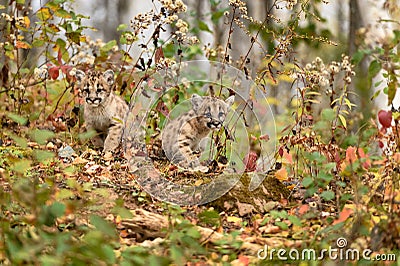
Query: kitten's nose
{"x": 214, "y": 124}
{"x": 93, "y": 100}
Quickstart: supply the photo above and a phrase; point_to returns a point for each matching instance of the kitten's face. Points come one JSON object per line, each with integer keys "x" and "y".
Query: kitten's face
{"x": 212, "y": 110}
{"x": 95, "y": 87}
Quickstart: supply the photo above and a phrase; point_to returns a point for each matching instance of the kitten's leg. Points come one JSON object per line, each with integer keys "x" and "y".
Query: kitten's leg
{"x": 190, "y": 158}
{"x": 113, "y": 137}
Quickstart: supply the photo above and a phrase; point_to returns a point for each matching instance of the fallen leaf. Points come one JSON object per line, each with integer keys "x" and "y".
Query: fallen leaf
{"x": 270, "y": 229}
{"x": 79, "y": 160}
{"x": 233, "y": 219}
{"x": 343, "y": 216}
{"x": 244, "y": 208}
{"x": 303, "y": 209}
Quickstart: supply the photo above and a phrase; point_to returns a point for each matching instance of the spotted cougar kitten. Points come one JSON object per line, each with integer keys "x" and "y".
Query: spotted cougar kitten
{"x": 182, "y": 136}
{"x": 104, "y": 111}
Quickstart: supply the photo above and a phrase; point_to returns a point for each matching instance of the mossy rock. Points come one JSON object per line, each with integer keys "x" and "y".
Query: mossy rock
{"x": 248, "y": 200}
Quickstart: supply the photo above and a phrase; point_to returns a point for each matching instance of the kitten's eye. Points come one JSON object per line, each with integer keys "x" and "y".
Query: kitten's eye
{"x": 221, "y": 114}
{"x": 86, "y": 91}
{"x": 208, "y": 114}
{"x": 99, "y": 90}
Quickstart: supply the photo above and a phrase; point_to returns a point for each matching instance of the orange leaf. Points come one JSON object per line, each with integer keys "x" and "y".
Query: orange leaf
{"x": 351, "y": 156}
{"x": 22, "y": 45}
{"x": 281, "y": 174}
{"x": 244, "y": 260}
{"x": 303, "y": 209}
{"x": 344, "y": 215}
{"x": 288, "y": 157}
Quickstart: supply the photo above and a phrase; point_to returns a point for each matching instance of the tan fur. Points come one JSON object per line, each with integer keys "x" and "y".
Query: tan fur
{"x": 104, "y": 112}
{"x": 182, "y": 136}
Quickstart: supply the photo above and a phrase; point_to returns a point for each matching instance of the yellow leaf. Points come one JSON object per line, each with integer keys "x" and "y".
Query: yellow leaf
{"x": 27, "y": 22}
{"x": 376, "y": 219}
{"x": 343, "y": 120}
{"x": 44, "y": 14}
{"x": 233, "y": 219}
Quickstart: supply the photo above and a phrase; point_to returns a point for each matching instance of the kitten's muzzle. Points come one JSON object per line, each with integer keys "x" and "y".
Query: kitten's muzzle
{"x": 214, "y": 124}
{"x": 94, "y": 101}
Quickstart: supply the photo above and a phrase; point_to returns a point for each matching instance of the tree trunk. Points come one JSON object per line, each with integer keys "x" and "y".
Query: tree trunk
{"x": 355, "y": 20}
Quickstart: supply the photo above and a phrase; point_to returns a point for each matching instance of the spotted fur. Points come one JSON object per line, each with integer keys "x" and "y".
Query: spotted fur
{"x": 181, "y": 138}
{"x": 104, "y": 112}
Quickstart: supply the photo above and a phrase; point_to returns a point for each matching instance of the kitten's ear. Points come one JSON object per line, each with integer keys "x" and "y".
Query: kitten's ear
{"x": 196, "y": 102}
{"x": 80, "y": 75}
{"x": 230, "y": 100}
{"x": 109, "y": 77}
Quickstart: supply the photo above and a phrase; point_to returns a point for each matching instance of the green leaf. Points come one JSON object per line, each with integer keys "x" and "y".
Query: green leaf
{"x": 295, "y": 220}
{"x": 217, "y": 15}
{"x": 108, "y": 46}
{"x": 41, "y": 135}
{"x": 324, "y": 176}
{"x": 102, "y": 225}
{"x": 328, "y": 115}
{"x": 376, "y": 94}
{"x": 47, "y": 260}
{"x": 392, "y": 88}
{"x": 282, "y": 225}
{"x": 74, "y": 37}
{"x": 17, "y": 118}
{"x": 87, "y": 135}
{"x": 123, "y": 212}
{"x": 42, "y": 156}
{"x": 109, "y": 254}
{"x": 122, "y": 27}
{"x": 21, "y": 2}
{"x": 177, "y": 255}
{"x": 357, "y": 57}
{"x": 328, "y": 195}
{"x": 203, "y": 26}
{"x": 307, "y": 181}
{"x": 210, "y": 217}
{"x": 64, "y": 194}
{"x": 374, "y": 69}
{"x": 193, "y": 233}
{"x": 22, "y": 142}
{"x": 57, "y": 209}
{"x": 21, "y": 166}
{"x": 63, "y": 13}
